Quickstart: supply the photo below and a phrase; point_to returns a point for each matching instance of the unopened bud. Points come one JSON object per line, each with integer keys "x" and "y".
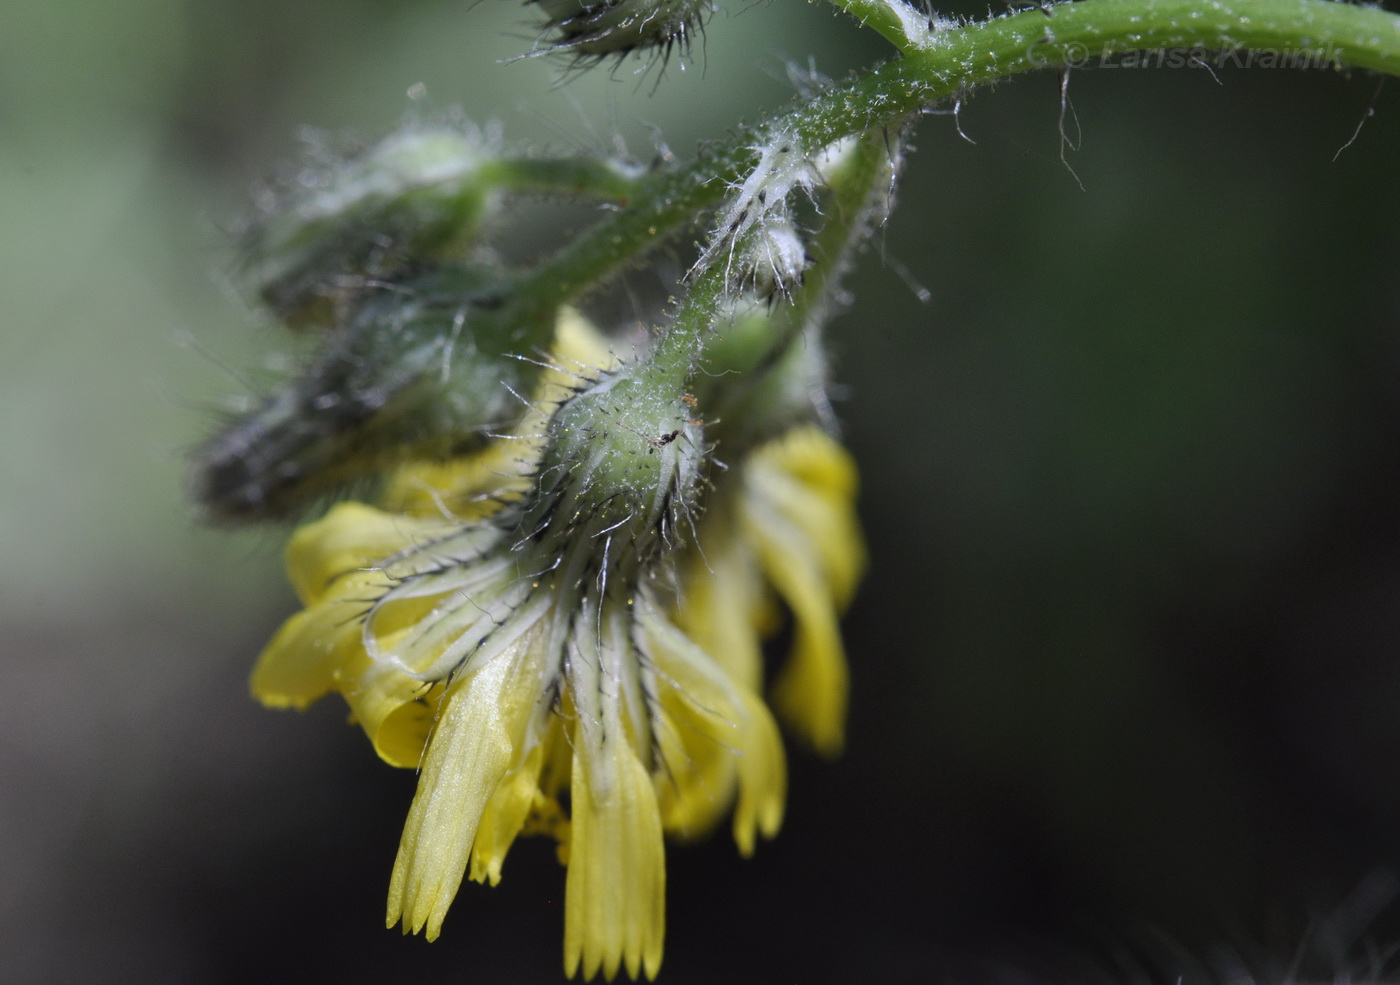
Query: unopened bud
{"x": 598, "y": 28}
{"x": 415, "y": 196}
{"x": 421, "y": 372}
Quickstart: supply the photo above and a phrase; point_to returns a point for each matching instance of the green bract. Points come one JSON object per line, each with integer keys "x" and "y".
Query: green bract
{"x": 625, "y": 453}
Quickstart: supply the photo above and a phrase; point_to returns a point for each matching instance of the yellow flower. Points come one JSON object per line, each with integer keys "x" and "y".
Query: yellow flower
{"x": 522, "y": 685}
{"x": 784, "y": 525}
{"x": 548, "y": 666}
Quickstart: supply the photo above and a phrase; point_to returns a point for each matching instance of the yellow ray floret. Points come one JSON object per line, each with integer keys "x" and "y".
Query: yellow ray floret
{"x": 786, "y": 527}
{"x": 535, "y": 699}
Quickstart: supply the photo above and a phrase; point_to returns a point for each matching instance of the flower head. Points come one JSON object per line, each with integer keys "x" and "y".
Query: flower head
{"x": 533, "y": 636}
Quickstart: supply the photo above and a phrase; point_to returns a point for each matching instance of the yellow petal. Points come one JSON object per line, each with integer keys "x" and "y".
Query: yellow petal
{"x": 395, "y": 710}
{"x": 810, "y": 690}
{"x": 718, "y": 736}
{"x": 614, "y": 895}
{"x": 351, "y": 536}
{"x": 798, "y": 513}
{"x": 812, "y": 480}
{"x": 483, "y": 716}
{"x": 301, "y": 662}
{"x": 578, "y": 346}
{"x": 762, "y": 779}
{"x": 463, "y": 489}
{"x": 722, "y": 607}
{"x": 698, "y": 779}
{"x": 504, "y": 816}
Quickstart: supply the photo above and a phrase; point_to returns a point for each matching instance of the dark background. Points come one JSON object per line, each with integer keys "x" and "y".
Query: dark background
{"x": 1125, "y": 664}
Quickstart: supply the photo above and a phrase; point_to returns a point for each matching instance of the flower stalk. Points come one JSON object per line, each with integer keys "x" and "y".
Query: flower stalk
{"x": 956, "y": 60}
{"x": 901, "y": 24}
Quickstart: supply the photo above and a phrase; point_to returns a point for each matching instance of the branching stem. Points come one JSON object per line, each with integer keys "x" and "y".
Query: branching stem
{"x": 938, "y": 67}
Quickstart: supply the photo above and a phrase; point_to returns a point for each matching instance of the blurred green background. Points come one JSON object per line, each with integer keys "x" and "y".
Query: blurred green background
{"x": 1125, "y": 666}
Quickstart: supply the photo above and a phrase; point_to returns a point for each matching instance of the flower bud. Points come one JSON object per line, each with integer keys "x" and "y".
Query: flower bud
{"x": 416, "y": 195}
{"x": 593, "y": 29}
{"x": 623, "y": 454}
{"x": 421, "y": 372}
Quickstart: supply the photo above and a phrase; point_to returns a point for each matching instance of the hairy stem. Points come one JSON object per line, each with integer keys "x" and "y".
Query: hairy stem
{"x": 573, "y": 176}
{"x": 947, "y": 63}
{"x": 896, "y": 21}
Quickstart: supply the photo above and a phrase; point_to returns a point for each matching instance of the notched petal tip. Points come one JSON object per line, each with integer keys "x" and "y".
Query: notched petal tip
{"x": 615, "y": 891}
{"x": 469, "y": 753}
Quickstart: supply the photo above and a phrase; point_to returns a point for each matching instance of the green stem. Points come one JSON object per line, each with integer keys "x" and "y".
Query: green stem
{"x": 1071, "y": 34}
{"x": 711, "y": 295}
{"x": 894, "y": 20}
{"x": 552, "y": 176}
{"x": 683, "y": 344}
